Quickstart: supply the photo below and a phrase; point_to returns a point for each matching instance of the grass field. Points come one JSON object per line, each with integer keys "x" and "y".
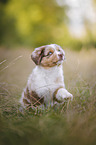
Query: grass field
{"x": 73, "y": 123}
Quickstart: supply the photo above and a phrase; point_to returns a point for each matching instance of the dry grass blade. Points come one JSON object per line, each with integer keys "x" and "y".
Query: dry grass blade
{"x": 2, "y": 62}
{"x": 11, "y": 63}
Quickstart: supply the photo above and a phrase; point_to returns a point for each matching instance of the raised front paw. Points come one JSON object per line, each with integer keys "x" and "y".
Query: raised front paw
{"x": 63, "y": 94}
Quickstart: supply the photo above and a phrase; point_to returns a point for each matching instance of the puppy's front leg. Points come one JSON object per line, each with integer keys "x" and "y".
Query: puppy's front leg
{"x": 62, "y": 94}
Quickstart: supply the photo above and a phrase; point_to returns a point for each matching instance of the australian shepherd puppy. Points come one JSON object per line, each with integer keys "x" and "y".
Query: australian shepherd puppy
{"x": 45, "y": 84}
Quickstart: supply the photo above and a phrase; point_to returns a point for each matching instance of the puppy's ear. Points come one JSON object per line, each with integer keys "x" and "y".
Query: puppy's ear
{"x": 37, "y": 54}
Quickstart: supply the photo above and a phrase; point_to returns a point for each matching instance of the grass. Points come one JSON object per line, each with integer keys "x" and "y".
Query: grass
{"x": 71, "y": 124}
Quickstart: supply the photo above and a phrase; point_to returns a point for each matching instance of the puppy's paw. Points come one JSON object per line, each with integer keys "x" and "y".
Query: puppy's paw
{"x": 63, "y": 94}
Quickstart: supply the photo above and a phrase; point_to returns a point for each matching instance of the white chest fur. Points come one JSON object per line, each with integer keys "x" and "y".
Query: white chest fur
{"x": 44, "y": 81}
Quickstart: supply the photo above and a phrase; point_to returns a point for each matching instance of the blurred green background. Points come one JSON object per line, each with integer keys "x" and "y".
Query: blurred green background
{"x": 33, "y": 23}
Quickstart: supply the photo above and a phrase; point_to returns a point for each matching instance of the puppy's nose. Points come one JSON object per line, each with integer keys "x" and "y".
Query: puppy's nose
{"x": 60, "y": 56}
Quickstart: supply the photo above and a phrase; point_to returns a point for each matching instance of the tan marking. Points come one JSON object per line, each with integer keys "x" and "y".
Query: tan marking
{"x": 48, "y": 49}
{"x": 54, "y": 95}
{"x": 58, "y": 80}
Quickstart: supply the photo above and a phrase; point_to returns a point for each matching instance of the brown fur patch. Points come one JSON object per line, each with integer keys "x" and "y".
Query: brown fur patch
{"x": 37, "y": 54}
{"x": 54, "y": 95}
{"x": 32, "y": 98}
{"x": 26, "y": 102}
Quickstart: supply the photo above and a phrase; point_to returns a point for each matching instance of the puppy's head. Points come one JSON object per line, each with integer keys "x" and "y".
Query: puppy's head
{"x": 48, "y": 55}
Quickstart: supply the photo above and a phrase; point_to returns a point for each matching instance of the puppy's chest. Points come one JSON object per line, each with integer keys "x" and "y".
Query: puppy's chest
{"x": 50, "y": 78}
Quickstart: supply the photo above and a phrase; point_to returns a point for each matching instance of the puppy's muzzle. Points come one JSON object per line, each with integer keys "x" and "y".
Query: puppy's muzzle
{"x": 61, "y": 56}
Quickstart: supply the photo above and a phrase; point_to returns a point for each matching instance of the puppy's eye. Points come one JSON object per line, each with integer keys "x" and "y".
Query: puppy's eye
{"x": 50, "y": 53}
{"x": 59, "y": 50}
